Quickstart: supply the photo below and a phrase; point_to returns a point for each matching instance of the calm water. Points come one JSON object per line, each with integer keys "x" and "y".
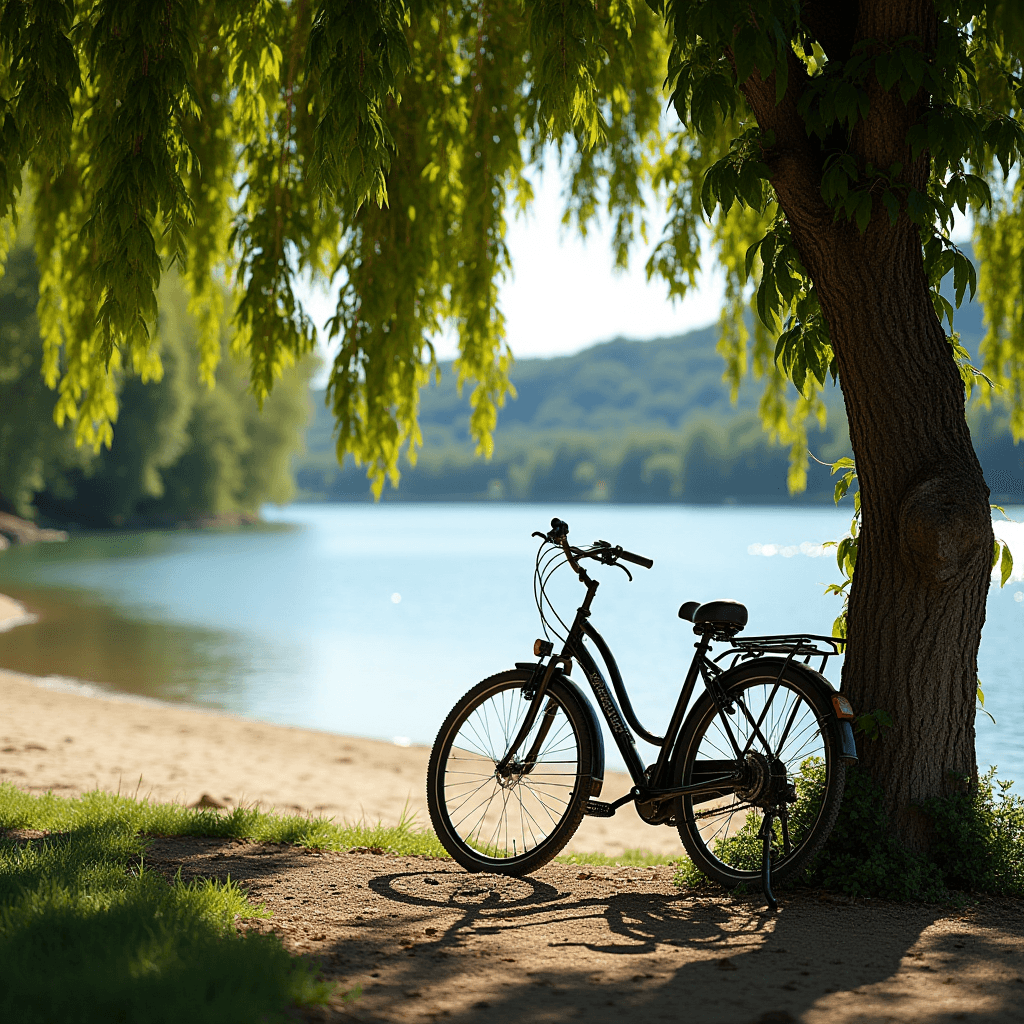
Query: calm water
{"x": 373, "y": 620}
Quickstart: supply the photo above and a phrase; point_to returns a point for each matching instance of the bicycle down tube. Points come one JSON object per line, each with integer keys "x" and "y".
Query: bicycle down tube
{"x": 624, "y": 738}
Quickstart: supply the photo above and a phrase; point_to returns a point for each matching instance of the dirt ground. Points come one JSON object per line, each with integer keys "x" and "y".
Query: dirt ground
{"x": 424, "y": 940}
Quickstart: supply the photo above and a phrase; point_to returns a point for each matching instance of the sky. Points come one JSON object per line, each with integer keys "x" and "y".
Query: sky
{"x": 566, "y": 295}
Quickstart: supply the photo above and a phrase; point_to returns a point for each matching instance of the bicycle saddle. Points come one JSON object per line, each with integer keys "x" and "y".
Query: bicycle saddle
{"x": 721, "y": 614}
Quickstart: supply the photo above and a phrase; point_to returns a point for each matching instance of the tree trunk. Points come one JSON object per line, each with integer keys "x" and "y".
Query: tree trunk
{"x": 917, "y": 603}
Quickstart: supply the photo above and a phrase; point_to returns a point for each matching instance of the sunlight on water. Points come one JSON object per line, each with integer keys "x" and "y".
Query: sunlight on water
{"x": 808, "y": 548}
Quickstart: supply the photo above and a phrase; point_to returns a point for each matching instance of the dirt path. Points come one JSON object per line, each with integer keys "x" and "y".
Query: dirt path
{"x": 427, "y": 941}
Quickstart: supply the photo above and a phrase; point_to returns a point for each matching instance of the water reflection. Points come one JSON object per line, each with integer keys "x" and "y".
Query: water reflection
{"x": 77, "y": 637}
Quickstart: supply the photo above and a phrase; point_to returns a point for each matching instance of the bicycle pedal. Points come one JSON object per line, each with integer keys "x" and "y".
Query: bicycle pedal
{"x": 598, "y": 809}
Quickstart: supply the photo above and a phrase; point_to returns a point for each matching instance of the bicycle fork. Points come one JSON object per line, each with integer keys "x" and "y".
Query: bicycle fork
{"x": 546, "y": 721}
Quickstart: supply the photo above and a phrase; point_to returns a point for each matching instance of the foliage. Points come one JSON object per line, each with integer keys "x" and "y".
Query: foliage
{"x": 624, "y": 421}
{"x": 88, "y": 933}
{"x": 181, "y": 450}
{"x": 30, "y": 442}
{"x": 977, "y": 847}
{"x": 383, "y": 145}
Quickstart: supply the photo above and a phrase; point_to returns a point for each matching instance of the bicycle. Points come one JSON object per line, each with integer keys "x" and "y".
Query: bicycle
{"x": 751, "y": 775}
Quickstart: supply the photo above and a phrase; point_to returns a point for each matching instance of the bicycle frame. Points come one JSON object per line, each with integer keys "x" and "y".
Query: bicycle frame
{"x": 644, "y": 789}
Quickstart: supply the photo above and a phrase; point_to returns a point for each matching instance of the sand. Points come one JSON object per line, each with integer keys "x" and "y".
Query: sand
{"x": 69, "y": 738}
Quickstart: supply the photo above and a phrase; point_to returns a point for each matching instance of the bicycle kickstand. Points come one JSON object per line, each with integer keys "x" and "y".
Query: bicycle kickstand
{"x": 767, "y": 830}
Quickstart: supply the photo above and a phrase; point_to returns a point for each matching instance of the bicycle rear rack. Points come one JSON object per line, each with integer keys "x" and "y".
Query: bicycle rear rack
{"x": 793, "y": 645}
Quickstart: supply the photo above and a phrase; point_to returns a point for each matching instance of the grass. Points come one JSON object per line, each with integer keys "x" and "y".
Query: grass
{"x": 636, "y": 858}
{"x": 55, "y": 813}
{"x": 88, "y": 934}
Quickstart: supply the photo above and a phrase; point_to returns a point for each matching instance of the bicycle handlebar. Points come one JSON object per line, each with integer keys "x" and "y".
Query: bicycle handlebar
{"x": 647, "y": 563}
{"x": 602, "y": 550}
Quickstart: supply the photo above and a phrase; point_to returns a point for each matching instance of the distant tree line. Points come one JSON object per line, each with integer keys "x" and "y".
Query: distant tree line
{"x": 625, "y": 421}
{"x": 181, "y": 451}
{"x": 709, "y": 460}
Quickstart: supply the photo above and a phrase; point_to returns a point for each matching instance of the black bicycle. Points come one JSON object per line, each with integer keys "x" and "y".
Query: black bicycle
{"x": 751, "y": 773}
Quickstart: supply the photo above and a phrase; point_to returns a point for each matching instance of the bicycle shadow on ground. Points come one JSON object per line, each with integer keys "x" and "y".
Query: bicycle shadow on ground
{"x": 486, "y": 947}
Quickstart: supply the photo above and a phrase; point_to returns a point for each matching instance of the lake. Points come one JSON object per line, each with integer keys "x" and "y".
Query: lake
{"x": 372, "y": 620}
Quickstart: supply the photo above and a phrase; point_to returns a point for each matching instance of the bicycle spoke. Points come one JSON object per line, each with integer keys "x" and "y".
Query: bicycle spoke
{"x": 503, "y": 818}
{"x": 778, "y": 724}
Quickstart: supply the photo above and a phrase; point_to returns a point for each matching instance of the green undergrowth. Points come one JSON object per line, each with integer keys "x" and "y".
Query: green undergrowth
{"x": 977, "y": 847}
{"x": 88, "y": 934}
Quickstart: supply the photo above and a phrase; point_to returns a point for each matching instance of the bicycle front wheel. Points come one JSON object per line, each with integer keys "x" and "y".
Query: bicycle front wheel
{"x": 790, "y": 762}
{"x": 515, "y": 821}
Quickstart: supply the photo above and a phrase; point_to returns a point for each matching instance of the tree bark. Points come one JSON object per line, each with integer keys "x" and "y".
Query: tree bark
{"x": 917, "y": 603}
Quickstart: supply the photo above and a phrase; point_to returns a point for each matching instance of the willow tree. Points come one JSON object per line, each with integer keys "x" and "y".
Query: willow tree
{"x": 383, "y": 145}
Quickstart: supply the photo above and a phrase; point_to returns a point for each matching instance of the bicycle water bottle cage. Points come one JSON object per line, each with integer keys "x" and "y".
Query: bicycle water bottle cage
{"x": 719, "y": 617}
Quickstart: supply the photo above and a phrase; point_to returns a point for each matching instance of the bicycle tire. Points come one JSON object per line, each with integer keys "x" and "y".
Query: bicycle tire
{"x": 721, "y": 832}
{"x": 515, "y": 825}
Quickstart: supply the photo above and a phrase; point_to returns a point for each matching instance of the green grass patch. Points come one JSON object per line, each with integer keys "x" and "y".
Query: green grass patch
{"x": 56, "y": 814}
{"x": 636, "y": 858}
{"x": 86, "y": 935}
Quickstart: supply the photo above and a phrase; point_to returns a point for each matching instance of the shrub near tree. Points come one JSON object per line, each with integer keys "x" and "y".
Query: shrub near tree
{"x": 385, "y": 142}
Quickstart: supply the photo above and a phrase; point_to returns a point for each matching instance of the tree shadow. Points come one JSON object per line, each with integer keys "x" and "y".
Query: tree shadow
{"x": 428, "y": 941}
{"x": 673, "y": 956}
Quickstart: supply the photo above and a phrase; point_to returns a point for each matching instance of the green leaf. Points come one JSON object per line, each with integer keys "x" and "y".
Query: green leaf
{"x": 892, "y": 205}
{"x": 981, "y": 704}
{"x": 1006, "y": 566}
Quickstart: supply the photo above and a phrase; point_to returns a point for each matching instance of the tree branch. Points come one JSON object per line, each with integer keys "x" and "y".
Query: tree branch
{"x": 793, "y": 157}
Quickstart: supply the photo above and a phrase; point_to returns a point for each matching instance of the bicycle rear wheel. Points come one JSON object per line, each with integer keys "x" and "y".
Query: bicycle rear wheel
{"x": 791, "y": 764}
{"x": 513, "y": 823}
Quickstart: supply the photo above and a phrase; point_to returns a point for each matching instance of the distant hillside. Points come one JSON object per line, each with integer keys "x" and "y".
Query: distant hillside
{"x": 624, "y": 421}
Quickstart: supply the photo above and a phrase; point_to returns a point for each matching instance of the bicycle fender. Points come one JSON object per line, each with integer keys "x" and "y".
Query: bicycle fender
{"x": 596, "y": 736}
{"x": 848, "y": 744}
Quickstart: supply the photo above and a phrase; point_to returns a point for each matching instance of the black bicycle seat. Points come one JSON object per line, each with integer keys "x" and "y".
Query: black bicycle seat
{"x": 721, "y": 614}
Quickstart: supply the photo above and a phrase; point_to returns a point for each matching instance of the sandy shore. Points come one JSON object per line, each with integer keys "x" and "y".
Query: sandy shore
{"x": 59, "y": 736}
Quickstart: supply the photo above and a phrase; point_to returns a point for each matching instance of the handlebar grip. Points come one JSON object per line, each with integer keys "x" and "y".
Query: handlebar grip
{"x": 628, "y": 556}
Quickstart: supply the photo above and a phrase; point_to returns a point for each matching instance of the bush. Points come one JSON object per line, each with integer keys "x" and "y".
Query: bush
{"x": 977, "y": 847}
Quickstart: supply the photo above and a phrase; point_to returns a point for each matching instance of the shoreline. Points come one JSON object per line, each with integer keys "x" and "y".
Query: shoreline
{"x": 68, "y": 737}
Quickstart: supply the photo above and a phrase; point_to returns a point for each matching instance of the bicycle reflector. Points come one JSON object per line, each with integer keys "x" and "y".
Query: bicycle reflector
{"x": 844, "y": 709}
{"x": 542, "y": 648}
